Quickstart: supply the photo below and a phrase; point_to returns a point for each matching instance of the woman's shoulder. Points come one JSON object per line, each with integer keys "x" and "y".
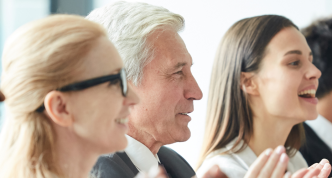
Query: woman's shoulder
{"x": 297, "y": 162}
{"x": 228, "y": 164}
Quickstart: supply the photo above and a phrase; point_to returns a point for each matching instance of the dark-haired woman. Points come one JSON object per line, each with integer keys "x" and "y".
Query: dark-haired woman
{"x": 262, "y": 88}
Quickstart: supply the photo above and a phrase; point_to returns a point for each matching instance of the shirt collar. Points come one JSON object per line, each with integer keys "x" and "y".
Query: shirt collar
{"x": 323, "y": 128}
{"x": 140, "y": 155}
{"x": 246, "y": 157}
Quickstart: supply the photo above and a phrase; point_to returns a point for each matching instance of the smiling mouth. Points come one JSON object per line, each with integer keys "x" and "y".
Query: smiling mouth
{"x": 122, "y": 121}
{"x": 185, "y": 113}
{"x": 307, "y": 93}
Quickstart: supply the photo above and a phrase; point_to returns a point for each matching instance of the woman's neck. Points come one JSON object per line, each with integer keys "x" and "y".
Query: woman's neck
{"x": 75, "y": 159}
{"x": 269, "y": 132}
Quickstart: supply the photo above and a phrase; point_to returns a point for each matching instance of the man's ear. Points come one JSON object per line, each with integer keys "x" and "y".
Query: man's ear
{"x": 248, "y": 84}
{"x": 56, "y": 106}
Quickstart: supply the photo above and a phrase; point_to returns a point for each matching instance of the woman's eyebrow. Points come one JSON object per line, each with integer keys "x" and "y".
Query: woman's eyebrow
{"x": 294, "y": 52}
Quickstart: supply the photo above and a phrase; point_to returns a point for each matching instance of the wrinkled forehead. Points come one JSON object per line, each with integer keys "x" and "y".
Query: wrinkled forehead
{"x": 169, "y": 49}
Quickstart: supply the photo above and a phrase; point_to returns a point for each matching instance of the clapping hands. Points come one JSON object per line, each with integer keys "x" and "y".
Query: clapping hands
{"x": 270, "y": 164}
{"x": 273, "y": 164}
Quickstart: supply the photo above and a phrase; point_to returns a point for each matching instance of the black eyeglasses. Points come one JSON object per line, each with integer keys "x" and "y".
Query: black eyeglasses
{"x": 93, "y": 82}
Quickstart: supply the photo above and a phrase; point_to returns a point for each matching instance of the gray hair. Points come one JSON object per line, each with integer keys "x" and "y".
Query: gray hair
{"x": 128, "y": 25}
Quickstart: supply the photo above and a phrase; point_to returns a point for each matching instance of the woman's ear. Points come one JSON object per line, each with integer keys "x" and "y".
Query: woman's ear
{"x": 56, "y": 106}
{"x": 248, "y": 84}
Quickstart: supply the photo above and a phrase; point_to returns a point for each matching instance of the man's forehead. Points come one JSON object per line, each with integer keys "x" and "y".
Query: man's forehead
{"x": 177, "y": 64}
{"x": 170, "y": 51}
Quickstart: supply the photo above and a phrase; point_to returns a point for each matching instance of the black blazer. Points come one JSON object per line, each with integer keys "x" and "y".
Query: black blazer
{"x": 314, "y": 149}
{"x": 118, "y": 165}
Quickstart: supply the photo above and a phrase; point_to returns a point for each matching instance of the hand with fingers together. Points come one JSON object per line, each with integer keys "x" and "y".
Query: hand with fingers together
{"x": 273, "y": 164}
{"x": 324, "y": 168}
{"x": 214, "y": 172}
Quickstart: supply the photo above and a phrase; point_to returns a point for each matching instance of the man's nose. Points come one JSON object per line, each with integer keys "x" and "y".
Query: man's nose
{"x": 192, "y": 90}
{"x": 131, "y": 98}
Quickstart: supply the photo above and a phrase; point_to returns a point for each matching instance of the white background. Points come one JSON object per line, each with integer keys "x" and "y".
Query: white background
{"x": 206, "y": 23}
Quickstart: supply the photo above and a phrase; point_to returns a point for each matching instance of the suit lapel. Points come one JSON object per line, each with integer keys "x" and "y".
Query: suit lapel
{"x": 174, "y": 164}
{"x": 128, "y": 162}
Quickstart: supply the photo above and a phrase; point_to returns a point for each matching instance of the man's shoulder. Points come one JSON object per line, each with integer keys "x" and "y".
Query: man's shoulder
{"x": 114, "y": 165}
{"x": 313, "y": 141}
{"x": 168, "y": 154}
{"x": 168, "y": 151}
{"x": 229, "y": 164}
{"x": 314, "y": 149}
{"x": 175, "y": 164}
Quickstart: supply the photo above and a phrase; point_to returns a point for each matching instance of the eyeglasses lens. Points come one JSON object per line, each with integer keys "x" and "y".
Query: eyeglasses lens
{"x": 124, "y": 82}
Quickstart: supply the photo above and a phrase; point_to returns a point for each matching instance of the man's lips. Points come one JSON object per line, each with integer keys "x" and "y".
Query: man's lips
{"x": 185, "y": 113}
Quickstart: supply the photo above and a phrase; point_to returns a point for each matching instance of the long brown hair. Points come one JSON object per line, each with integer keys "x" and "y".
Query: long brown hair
{"x": 229, "y": 115}
{"x": 39, "y": 57}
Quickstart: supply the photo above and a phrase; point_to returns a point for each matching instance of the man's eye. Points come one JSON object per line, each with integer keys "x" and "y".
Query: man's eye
{"x": 179, "y": 72}
{"x": 295, "y": 63}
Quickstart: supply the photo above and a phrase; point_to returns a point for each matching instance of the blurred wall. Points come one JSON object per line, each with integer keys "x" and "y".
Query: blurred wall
{"x": 206, "y": 23}
{"x": 79, "y": 7}
{"x": 13, "y": 14}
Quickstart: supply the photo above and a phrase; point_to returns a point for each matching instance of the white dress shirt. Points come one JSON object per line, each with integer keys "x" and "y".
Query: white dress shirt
{"x": 323, "y": 128}
{"x": 140, "y": 155}
{"x": 236, "y": 165}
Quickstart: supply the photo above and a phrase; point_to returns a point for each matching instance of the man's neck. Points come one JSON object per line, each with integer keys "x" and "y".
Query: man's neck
{"x": 145, "y": 138}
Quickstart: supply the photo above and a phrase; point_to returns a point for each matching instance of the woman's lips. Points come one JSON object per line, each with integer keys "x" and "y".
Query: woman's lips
{"x": 122, "y": 123}
{"x": 310, "y": 100}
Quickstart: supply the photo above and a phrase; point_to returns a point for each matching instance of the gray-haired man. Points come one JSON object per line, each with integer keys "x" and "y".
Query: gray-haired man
{"x": 158, "y": 67}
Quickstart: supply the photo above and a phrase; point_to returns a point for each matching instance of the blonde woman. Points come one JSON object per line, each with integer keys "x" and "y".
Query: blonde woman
{"x": 262, "y": 88}
{"x": 67, "y": 99}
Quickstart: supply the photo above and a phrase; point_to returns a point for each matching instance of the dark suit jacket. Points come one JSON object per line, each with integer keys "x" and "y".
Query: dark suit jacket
{"x": 119, "y": 165}
{"x": 314, "y": 149}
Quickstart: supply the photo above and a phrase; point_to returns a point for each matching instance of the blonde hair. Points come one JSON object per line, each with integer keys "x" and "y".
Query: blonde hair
{"x": 128, "y": 25}
{"x": 39, "y": 57}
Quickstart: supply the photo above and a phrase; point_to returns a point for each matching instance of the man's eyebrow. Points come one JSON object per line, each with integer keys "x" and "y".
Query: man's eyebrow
{"x": 178, "y": 65}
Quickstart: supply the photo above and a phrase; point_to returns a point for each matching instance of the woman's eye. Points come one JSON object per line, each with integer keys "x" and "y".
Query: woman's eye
{"x": 295, "y": 63}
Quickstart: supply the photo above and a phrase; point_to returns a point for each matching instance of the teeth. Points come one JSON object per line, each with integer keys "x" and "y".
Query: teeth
{"x": 310, "y": 92}
{"x": 185, "y": 113}
{"x": 121, "y": 121}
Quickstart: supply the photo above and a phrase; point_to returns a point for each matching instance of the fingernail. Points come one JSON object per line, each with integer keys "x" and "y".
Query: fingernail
{"x": 268, "y": 152}
{"x": 323, "y": 161}
{"x": 279, "y": 149}
{"x": 288, "y": 174}
{"x": 326, "y": 166}
{"x": 283, "y": 158}
{"x": 214, "y": 170}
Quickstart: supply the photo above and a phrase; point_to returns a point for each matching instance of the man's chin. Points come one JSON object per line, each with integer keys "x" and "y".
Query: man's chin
{"x": 184, "y": 136}
{"x": 173, "y": 136}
